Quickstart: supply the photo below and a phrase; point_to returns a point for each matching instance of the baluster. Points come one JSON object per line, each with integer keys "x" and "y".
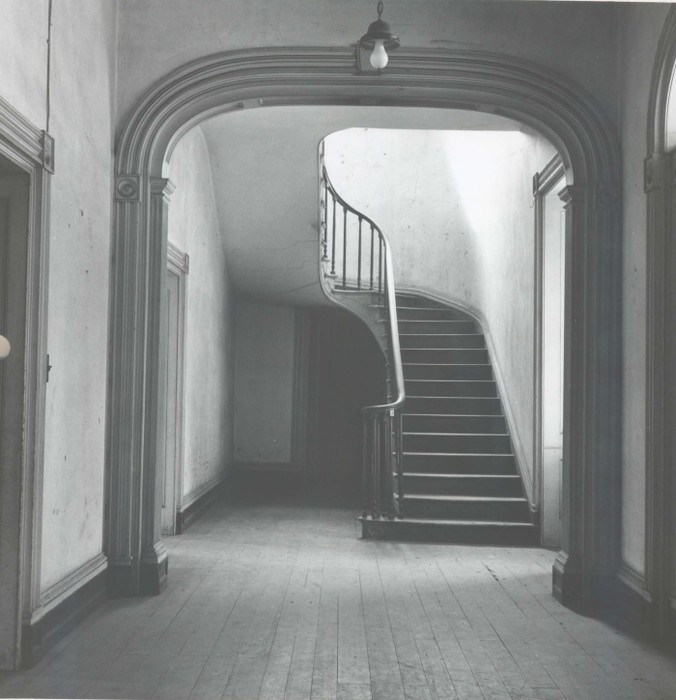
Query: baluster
{"x": 359, "y": 256}
{"x": 375, "y": 481}
{"x": 400, "y": 459}
{"x": 387, "y": 465}
{"x": 344, "y": 247}
{"x": 372, "y": 256}
{"x": 326, "y": 220}
{"x": 333, "y": 238}
{"x": 366, "y": 463}
{"x": 380, "y": 265}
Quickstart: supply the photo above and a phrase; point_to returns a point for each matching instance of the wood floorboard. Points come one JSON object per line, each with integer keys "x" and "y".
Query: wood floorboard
{"x": 285, "y": 602}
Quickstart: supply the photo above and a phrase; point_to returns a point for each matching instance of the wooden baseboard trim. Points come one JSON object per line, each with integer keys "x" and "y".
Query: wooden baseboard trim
{"x": 66, "y": 603}
{"x": 194, "y": 505}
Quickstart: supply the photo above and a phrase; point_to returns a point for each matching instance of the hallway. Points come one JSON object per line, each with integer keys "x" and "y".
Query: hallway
{"x": 273, "y": 601}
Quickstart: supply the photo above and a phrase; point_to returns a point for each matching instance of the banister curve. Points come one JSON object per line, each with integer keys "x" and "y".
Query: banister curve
{"x": 382, "y": 423}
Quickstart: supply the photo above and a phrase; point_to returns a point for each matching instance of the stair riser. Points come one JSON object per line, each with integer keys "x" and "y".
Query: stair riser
{"x": 451, "y": 533}
{"x": 507, "y": 511}
{"x": 451, "y": 387}
{"x": 421, "y": 303}
{"x": 441, "y": 341}
{"x": 446, "y": 356}
{"x": 447, "y": 372}
{"x": 460, "y": 464}
{"x": 454, "y": 424}
{"x": 407, "y": 313}
{"x": 424, "y": 326}
{"x": 481, "y": 444}
{"x": 456, "y": 406}
{"x": 462, "y": 486}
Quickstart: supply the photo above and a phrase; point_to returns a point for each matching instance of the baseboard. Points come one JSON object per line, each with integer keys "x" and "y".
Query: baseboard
{"x": 62, "y": 607}
{"x": 194, "y": 505}
{"x": 519, "y": 454}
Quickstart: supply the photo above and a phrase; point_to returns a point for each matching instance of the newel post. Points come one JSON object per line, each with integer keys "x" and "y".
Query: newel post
{"x": 137, "y": 558}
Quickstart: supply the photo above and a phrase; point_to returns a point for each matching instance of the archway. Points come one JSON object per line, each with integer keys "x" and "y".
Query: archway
{"x": 432, "y": 78}
{"x": 660, "y": 557}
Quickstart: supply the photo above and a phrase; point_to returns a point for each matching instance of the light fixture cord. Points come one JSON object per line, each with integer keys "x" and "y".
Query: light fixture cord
{"x": 380, "y": 9}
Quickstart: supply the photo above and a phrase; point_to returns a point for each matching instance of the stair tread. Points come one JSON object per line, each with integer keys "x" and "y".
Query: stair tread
{"x": 477, "y": 435}
{"x": 435, "y": 335}
{"x": 433, "y": 475}
{"x": 469, "y": 499}
{"x": 459, "y": 454}
{"x": 445, "y": 364}
{"x": 441, "y": 521}
{"x": 453, "y": 415}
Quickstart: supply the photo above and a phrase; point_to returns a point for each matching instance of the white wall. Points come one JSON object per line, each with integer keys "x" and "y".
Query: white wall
{"x": 641, "y": 28}
{"x": 23, "y": 56}
{"x": 264, "y": 383}
{"x": 210, "y": 319}
{"x": 82, "y": 118}
{"x": 457, "y": 209}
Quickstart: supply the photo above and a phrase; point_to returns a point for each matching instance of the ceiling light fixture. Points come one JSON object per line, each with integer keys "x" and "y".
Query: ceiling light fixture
{"x": 379, "y": 39}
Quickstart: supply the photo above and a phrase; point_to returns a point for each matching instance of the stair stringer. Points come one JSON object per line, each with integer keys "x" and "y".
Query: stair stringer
{"x": 365, "y": 304}
{"x": 519, "y": 452}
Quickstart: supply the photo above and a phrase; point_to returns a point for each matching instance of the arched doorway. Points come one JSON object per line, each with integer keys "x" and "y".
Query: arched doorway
{"x": 660, "y": 550}
{"x": 297, "y": 76}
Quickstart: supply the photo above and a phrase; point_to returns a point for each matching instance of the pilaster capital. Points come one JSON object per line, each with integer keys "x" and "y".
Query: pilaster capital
{"x": 127, "y": 188}
{"x": 47, "y": 152}
{"x": 572, "y": 194}
{"x": 162, "y": 187}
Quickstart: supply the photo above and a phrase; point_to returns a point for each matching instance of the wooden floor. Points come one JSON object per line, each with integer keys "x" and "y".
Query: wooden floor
{"x": 287, "y": 602}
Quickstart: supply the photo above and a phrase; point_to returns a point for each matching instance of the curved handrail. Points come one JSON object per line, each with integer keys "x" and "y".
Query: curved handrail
{"x": 390, "y": 296}
{"x": 382, "y": 422}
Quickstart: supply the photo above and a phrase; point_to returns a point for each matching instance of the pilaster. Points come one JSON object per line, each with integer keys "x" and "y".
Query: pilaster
{"x": 592, "y": 361}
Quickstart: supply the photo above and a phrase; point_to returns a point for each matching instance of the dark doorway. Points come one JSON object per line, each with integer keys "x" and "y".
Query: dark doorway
{"x": 349, "y": 374}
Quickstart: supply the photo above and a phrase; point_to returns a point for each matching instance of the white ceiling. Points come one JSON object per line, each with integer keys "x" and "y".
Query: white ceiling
{"x": 265, "y": 171}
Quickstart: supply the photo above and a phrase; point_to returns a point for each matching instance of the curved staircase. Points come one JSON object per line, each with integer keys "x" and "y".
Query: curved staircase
{"x": 460, "y": 481}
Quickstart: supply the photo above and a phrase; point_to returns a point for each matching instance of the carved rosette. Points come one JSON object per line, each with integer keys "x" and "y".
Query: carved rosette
{"x": 607, "y": 195}
{"x": 127, "y": 188}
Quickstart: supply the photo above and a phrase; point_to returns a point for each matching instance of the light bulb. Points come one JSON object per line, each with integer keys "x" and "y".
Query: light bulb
{"x": 4, "y": 347}
{"x": 379, "y": 56}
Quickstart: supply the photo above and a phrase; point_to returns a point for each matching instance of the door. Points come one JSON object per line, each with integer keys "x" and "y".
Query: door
{"x": 14, "y": 202}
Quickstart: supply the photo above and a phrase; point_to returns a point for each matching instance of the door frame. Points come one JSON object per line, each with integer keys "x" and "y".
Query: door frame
{"x": 659, "y": 185}
{"x": 255, "y": 78}
{"x": 543, "y": 184}
{"x": 178, "y": 264}
{"x": 32, "y": 150}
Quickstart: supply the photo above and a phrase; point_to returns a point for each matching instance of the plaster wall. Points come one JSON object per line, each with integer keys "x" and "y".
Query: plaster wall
{"x": 83, "y": 113}
{"x": 457, "y": 209}
{"x": 641, "y": 28}
{"x": 210, "y": 318}
{"x": 23, "y": 56}
{"x": 577, "y": 39}
{"x": 264, "y": 370}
